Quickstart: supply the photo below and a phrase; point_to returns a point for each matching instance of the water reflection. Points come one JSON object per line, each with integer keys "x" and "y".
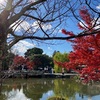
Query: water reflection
{"x": 45, "y": 96}
{"x": 42, "y": 89}
{"x": 16, "y": 94}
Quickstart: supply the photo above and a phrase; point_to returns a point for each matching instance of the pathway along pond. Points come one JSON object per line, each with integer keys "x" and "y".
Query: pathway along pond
{"x": 42, "y": 89}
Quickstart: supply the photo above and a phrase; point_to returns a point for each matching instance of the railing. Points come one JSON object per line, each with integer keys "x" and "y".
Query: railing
{"x": 23, "y": 73}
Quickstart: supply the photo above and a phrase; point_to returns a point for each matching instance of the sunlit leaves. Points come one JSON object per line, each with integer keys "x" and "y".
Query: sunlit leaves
{"x": 85, "y": 57}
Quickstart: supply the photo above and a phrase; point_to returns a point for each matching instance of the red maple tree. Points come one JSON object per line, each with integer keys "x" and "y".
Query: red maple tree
{"x": 19, "y": 60}
{"x": 86, "y": 50}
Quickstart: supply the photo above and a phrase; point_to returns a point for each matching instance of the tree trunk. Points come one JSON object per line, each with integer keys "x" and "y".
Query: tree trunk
{"x": 3, "y": 53}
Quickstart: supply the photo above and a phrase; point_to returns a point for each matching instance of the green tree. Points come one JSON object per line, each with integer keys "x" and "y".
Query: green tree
{"x": 40, "y": 60}
{"x": 33, "y": 51}
{"x": 60, "y": 57}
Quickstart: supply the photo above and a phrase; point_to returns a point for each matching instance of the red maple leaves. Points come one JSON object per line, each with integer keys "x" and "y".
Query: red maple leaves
{"x": 86, "y": 50}
{"x": 67, "y": 32}
{"x": 19, "y": 60}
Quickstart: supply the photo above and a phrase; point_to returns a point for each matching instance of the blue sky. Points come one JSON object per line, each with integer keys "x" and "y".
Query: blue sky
{"x": 61, "y": 45}
{"x": 49, "y": 46}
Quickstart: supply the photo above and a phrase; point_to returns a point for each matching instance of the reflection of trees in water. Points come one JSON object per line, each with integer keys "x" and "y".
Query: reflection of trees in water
{"x": 69, "y": 88}
{"x": 16, "y": 94}
{"x": 2, "y": 96}
{"x": 37, "y": 88}
{"x": 12, "y": 92}
{"x": 34, "y": 88}
{"x": 66, "y": 88}
{"x": 90, "y": 90}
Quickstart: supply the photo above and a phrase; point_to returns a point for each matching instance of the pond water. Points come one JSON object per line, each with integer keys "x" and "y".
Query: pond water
{"x": 42, "y": 89}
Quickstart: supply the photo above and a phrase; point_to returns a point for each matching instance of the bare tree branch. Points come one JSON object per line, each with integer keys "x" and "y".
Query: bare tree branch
{"x": 17, "y": 16}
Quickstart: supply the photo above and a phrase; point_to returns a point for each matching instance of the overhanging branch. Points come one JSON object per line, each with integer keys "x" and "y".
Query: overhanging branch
{"x": 61, "y": 38}
{"x": 54, "y": 38}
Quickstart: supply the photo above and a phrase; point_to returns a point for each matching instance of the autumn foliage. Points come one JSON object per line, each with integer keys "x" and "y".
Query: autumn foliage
{"x": 86, "y": 50}
{"x": 19, "y": 60}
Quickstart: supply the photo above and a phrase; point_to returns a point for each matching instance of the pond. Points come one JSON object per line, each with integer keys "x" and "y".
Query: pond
{"x": 42, "y": 89}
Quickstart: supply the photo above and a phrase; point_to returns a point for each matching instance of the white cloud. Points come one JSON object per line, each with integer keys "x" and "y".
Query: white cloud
{"x": 83, "y": 24}
{"x": 24, "y": 25}
{"x": 21, "y": 47}
{"x": 46, "y": 26}
{"x": 21, "y": 25}
{"x": 98, "y": 7}
{"x": 97, "y": 25}
{"x": 35, "y": 25}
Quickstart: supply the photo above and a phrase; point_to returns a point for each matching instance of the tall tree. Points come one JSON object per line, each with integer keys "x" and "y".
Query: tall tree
{"x": 59, "y": 57}
{"x": 86, "y": 50}
{"x": 28, "y": 19}
{"x": 40, "y": 60}
{"x": 33, "y": 51}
